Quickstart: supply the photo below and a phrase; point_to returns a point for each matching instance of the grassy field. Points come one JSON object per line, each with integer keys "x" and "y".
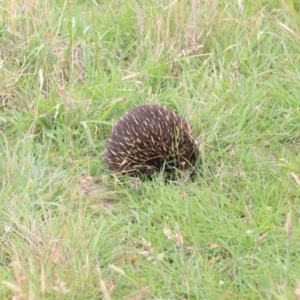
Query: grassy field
{"x": 69, "y": 70}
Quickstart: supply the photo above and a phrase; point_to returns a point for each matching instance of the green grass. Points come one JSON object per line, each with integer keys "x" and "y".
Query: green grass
{"x": 69, "y": 70}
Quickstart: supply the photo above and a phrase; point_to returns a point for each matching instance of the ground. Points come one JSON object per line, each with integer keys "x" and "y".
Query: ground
{"x": 69, "y": 70}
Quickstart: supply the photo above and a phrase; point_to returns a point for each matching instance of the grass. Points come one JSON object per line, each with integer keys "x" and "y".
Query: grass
{"x": 69, "y": 70}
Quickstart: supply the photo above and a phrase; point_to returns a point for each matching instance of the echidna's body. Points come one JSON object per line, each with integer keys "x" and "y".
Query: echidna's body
{"x": 150, "y": 138}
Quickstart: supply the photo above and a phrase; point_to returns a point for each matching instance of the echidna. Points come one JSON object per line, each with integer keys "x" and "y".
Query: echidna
{"x": 150, "y": 138}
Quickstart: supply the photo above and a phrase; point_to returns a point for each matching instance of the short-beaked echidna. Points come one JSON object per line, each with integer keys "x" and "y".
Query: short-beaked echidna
{"x": 150, "y": 138}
